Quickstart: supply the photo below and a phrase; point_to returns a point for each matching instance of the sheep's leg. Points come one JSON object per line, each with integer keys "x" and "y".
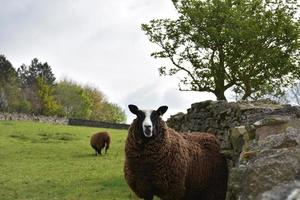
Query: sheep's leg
{"x": 106, "y": 146}
{"x": 218, "y": 187}
{"x": 96, "y": 153}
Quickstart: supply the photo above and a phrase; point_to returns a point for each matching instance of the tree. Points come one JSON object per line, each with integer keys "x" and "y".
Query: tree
{"x": 75, "y": 101}
{"x": 98, "y": 99}
{"x": 250, "y": 46}
{"x": 11, "y": 99}
{"x": 86, "y": 102}
{"x": 7, "y": 78}
{"x": 294, "y": 94}
{"x": 29, "y": 76}
{"x": 8, "y": 73}
{"x": 101, "y": 109}
{"x": 290, "y": 96}
{"x": 113, "y": 113}
{"x": 49, "y": 105}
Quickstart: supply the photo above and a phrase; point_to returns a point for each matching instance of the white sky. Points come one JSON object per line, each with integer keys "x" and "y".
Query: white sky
{"x": 95, "y": 42}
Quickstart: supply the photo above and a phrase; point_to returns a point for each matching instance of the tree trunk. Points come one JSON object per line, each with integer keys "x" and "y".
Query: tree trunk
{"x": 220, "y": 95}
{"x": 220, "y": 76}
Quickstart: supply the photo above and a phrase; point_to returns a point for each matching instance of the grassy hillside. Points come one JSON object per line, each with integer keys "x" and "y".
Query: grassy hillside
{"x": 43, "y": 161}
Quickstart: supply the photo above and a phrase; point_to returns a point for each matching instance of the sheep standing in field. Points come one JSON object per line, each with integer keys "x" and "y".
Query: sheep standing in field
{"x": 99, "y": 141}
{"x": 159, "y": 161}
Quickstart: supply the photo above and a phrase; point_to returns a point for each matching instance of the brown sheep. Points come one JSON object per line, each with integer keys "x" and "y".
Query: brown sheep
{"x": 99, "y": 141}
{"x": 161, "y": 162}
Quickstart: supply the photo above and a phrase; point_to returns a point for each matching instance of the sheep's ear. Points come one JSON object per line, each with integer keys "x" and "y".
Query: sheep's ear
{"x": 161, "y": 110}
{"x": 133, "y": 108}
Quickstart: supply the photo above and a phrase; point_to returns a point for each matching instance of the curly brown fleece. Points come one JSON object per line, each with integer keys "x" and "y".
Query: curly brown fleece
{"x": 99, "y": 141}
{"x": 175, "y": 166}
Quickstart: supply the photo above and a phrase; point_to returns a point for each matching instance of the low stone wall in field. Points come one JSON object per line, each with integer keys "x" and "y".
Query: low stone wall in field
{"x": 60, "y": 120}
{"x": 91, "y": 123}
{"x": 38, "y": 118}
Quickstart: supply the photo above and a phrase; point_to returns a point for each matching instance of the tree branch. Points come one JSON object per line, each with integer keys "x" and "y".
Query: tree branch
{"x": 194, "y": 80}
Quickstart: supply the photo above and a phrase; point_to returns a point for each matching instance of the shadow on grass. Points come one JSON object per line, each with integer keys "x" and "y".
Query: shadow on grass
{"x": 19, "y": 136}
{"x": 92, "y": 155}
{"x": 58, "y": 136}
{"x": 85, "y": 155}
{"x": 7, "y": 123}
{"x": 45, "y": 137}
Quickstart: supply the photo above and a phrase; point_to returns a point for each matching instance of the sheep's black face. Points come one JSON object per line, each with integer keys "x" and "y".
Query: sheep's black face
{"x": 148, "y": 119}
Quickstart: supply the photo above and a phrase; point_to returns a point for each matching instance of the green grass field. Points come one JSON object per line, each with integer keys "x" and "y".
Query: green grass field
{"x": 44, "y": 161}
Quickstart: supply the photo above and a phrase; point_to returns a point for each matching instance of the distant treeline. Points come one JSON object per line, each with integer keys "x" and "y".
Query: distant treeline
{"x": 33, "y": 89}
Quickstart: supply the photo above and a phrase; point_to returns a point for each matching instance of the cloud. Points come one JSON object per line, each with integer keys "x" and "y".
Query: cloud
{"x": 162, "y": 92}
{"x": 146, "y": 97}
{"x": 96, "y": 42}
{"x": 92, "y": 41}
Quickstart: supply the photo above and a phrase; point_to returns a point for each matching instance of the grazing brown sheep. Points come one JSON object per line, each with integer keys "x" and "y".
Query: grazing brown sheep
{"x": 99, "y": 141}
{"x": 159, "y": 161}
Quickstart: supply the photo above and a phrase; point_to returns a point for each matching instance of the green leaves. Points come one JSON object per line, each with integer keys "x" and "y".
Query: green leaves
{"x": 49, "y": 105}
{"x": 251, "y": 45}
{"x": 28, "y": 75}
{"x": 86, "y": 102}
{"x": 32, "y": 89}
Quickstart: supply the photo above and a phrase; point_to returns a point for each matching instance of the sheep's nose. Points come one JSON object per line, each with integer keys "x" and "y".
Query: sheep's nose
{"x": 147, "y": 130}
{"x": 147, "y": 126}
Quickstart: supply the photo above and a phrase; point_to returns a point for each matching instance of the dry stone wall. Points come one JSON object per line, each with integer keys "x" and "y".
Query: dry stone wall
{"x": 261, "y": 140}
{"x": 268, "y": 167}
{"x": 220, "y": 116}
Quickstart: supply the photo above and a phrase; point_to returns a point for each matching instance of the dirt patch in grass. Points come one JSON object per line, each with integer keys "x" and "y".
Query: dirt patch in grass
{"x": 7, "y": 123}
{"x": 56, "y": 137}
{"x": 45, "y": 137}
{"x": 19, "y": 136}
